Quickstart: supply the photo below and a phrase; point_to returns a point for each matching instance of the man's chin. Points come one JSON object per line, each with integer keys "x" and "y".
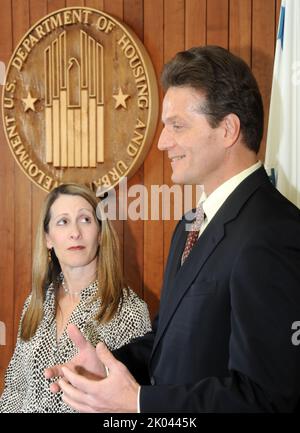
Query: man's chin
{"x": 177, "y": 179}
{"x": 180, "y": 180}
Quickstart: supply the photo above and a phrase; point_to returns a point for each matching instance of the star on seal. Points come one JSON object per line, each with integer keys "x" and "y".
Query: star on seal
{"x": 120, "y": 99}
{"x": 29, "y": 102}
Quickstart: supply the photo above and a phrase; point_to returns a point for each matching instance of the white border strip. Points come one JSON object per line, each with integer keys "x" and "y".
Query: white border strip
{"x": 2, "y": 73}
{"x": 2, "y": 334}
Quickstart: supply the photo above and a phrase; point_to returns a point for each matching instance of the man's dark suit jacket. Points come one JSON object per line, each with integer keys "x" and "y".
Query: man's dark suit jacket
{"x": 222, "y": 339}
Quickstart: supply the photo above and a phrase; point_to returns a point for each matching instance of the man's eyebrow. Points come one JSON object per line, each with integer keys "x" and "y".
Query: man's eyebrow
{"x": 170, "y": 119}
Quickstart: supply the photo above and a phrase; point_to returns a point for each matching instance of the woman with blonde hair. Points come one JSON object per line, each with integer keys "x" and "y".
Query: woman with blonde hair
{"x": 76, "y": 278}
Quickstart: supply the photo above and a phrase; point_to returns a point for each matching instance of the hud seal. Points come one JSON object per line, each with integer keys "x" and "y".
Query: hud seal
{"x": 80, "y": 102}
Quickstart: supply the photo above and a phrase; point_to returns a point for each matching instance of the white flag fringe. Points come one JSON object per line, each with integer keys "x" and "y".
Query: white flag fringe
{"x": 283, "y": 140}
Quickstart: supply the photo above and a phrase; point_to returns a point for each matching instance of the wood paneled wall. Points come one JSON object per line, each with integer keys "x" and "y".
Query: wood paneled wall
{"x": 246, "y": 27}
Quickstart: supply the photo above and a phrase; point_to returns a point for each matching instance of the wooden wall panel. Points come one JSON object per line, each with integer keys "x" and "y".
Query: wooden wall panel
{"x": 217, "y": 22}
{"x": 38, "y": 10}
{"x": 70, "y": 3}
{"x": 7, "y": 200}
{"x": 134, "y": 16}
{"x": 153, "y": 165}
{"x": 22, "y": 280}
{"x": 54, "y": 5}
{"x": 134, "y": 230}
{"x": 240, "y": 13}
{"x": 96, "y": 4}
{"x": 116, "y": 8}
{"x": 195, "y": 23}
{"x": 246, "y": 27}
{"x": 174, "y": 17}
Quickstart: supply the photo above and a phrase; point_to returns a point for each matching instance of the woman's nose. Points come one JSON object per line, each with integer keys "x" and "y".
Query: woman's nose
{"x": 75, "y": 232}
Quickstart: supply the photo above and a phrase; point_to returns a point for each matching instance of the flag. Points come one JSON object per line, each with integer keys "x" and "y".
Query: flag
{"x": 282, "y": 159}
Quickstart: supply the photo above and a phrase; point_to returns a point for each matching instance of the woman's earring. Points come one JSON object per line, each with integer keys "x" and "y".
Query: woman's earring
{"x": 49, "y": 256}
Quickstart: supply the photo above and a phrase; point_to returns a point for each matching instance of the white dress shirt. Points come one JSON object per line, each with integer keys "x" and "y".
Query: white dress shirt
{"x": 214, "y": 201}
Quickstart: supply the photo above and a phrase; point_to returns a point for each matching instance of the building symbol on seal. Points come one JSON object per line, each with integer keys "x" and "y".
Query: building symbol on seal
{"x": 74, "y": 103}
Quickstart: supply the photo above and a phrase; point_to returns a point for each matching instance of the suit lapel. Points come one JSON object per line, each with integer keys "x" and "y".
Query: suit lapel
{"x": 179, "y": 278}
{"x": 174, "y": 259}
{"x": 179, "y": 283}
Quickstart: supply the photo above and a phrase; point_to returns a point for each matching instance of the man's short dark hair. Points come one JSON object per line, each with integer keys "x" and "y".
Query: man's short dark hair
{"x": 227, "y": 83}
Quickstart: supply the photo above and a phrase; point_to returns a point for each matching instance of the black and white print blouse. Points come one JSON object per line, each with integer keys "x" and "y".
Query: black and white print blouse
{"x": 26, "y": 389}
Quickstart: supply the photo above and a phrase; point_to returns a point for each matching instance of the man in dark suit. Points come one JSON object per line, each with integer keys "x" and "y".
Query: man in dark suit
{"x": 222, "y": 341}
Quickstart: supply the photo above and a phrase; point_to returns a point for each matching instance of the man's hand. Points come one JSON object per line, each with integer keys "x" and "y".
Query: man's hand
{"x": 117, "y": 393}
{"x": 85, "y": 363}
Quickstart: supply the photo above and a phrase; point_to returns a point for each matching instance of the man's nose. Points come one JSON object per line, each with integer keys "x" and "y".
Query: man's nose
{"x": 165, "y": 141}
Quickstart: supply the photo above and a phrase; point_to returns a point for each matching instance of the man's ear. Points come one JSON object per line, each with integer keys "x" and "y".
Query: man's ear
{"x": 232, "y": 126}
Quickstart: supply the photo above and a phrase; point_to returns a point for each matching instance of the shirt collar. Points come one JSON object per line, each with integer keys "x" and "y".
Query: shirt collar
{"x": 214, "y": 201}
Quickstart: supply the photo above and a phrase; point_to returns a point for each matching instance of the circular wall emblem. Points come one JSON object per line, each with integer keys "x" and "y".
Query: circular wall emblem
{"x": 80, "y": 103}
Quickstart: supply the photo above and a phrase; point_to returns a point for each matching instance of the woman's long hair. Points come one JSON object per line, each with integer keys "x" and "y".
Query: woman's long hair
{"x": 46, "y": 271}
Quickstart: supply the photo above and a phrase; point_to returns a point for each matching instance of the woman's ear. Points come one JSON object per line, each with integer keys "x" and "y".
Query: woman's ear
{"x": 48, "y": 241}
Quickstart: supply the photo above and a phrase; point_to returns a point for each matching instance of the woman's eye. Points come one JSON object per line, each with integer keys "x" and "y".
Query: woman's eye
{"x": 85, "y": 219}
{"x": 62, "y": 222}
